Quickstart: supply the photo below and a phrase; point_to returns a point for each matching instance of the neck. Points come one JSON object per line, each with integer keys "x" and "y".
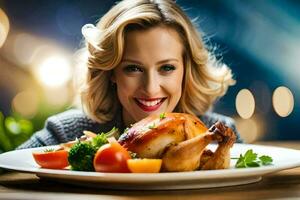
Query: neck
{"x": 127, "y": 119}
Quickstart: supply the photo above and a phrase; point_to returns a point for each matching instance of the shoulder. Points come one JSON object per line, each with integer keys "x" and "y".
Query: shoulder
{"x": 70, "y": 115}
{"x": 210, "y": 118}
{"x": 69, "y": 124}
{"x": 64, "y": 127}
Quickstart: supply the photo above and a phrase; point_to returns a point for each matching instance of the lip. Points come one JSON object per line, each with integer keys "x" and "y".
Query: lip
{"x": 149, "y": 108}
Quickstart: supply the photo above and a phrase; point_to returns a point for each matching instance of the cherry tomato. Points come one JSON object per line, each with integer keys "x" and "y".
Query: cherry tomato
{"x": 52, "y": 160}
{"x": 111, "y": 157}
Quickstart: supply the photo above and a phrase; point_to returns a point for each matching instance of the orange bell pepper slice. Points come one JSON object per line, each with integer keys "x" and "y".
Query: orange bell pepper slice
{"x": 144, "y": 165}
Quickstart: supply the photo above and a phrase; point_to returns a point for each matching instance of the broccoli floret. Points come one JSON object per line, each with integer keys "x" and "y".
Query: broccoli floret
{"x": 81, "y": 156}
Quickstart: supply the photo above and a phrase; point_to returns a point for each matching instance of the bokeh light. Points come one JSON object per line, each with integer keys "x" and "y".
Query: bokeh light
{"x": 52, "y": 95}
{"x": 252, "y": 129}
{"x": 4, "y": 27}
{"x": 24, "y": 48}
{"x": 245, "y": 103}
{"x": 54, "y": 71}
{"x": 26, "y": 103}
{"x": 283, "y": 101}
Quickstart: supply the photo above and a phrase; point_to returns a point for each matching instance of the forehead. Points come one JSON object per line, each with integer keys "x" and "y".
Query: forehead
{"x": 153, "y": 41}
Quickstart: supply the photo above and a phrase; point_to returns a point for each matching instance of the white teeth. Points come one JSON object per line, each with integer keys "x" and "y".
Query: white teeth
{"x": 149, "y": 103}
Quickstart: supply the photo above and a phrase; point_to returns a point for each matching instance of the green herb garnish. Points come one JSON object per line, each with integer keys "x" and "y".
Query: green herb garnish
{"x": 250, "y": 159}
{"x": 265, "y": 160}
{"x": 133, "y": 155}
{"x": 162, "y": 115}
{"x": 114, "y": 132}
{"x": 152, "y": 126}
{"x": 49, "y": 150}
{"x": 126, "y": 130}
{"x": 99, "y": 140}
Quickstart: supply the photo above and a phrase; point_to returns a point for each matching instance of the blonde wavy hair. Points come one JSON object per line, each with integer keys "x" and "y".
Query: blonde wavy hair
{"x": 205, "y": 79}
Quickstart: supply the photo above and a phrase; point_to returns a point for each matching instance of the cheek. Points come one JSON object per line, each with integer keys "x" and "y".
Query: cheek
{"x": 174, "y": 84}
{"x": 126, "y": 86}
{"x": 175, "y": 89}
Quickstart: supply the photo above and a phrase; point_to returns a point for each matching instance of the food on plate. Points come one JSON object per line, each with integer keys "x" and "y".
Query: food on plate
{"x": 51, "y": 159}
{"x": 111, "y": 157}
{"x": 144, "y": 165}
{"x": 167, "y": 142}
{"x": 180, "y": 140}
{"x": 81, "y": 156}
{"x": 82, "y": 151}
{"x": 251, "y": 159}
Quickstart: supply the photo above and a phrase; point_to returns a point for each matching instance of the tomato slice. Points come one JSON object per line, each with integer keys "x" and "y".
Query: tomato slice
{"x": 52, "y": 160}
{"x": 111, "y": 157}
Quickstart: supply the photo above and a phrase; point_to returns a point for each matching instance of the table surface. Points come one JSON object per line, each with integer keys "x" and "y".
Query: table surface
{"x": 280, "y": 185}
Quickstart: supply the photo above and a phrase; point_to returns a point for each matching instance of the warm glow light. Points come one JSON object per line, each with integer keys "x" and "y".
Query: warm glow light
{"x": 4, "y": 27}
{"x": 250, "y": 129}
{"x": 245, "y": 103}
{"x": 283, "y": 101}
{"x": 24, "y": 48}
{"x": 26, "y": 103}
{"x": 62, "y": 92}
{"x": 54, "y": 71}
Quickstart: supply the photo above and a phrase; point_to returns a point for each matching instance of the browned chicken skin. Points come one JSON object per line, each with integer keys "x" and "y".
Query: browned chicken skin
{"x": 180, "y": 140}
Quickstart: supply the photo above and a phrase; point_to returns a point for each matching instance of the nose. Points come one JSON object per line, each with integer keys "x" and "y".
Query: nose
{"x": 151, "y": 84}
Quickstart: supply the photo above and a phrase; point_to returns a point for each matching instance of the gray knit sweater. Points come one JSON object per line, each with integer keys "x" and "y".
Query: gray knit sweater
{"x": 69, "y": 125}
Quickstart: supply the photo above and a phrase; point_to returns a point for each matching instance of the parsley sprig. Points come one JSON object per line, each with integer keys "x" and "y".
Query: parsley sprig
{"x": 251, "y": 159}
{"x": 162, "y": 115}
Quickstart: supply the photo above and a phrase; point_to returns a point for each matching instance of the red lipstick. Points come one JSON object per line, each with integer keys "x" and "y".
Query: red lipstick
{"x": 149, "y": 108}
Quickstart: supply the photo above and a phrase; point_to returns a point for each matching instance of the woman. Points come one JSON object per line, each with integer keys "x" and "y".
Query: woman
{"x": 144, "y": 57}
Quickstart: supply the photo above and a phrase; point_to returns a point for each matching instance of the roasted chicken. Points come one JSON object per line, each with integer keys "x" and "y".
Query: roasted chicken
{"x": 180, "y": 140}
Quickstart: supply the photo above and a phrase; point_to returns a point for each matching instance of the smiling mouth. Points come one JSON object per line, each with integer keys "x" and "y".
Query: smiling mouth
{"x": 150, "y": 104}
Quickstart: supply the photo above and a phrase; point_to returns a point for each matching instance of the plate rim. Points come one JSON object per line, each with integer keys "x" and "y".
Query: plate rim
{"x": 165, "y": 176}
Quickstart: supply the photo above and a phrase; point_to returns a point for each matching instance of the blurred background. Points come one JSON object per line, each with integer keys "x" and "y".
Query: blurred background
{"x": 259, "y": 40}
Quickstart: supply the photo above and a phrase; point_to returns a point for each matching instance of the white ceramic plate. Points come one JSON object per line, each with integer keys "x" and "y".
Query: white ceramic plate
{"x": 283, "y": 158}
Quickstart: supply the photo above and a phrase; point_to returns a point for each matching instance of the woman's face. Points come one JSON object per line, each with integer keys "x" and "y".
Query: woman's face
{"x": 149, "y": 77}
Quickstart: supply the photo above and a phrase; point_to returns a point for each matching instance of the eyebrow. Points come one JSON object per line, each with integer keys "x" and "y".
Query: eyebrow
{"x": 159, "y": 62}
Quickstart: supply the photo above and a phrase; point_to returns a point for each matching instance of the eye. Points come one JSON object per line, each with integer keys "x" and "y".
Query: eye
{"x": 132, "y": 69}
{"x": 167, "y": 68}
